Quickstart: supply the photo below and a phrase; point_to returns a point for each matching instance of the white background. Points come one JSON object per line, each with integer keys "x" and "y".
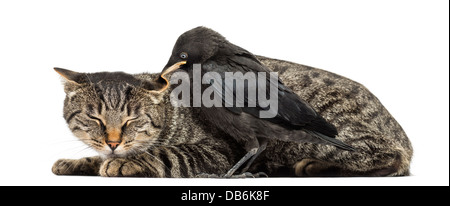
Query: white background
{"x": 397, "y": 49}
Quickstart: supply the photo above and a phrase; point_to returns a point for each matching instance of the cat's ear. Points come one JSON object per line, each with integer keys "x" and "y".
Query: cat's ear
{"x": 155, "y": 88}
{"x": 71, "y": 76}
{"x": 71, "y": 80}
{"x": 160, "y": 84}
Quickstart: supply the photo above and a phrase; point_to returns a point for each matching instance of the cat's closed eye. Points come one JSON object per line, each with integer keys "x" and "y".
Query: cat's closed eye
{"x": 129, "y": 123}
{"x": 97, "y": 120}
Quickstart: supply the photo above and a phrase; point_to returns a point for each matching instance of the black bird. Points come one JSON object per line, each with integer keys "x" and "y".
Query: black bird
{"x": 294, "y": 121}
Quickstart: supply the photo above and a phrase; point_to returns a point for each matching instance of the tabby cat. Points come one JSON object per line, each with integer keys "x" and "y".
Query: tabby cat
{"x": 138, "y": 132}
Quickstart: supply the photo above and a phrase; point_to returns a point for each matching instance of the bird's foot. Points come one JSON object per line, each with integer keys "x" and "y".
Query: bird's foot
{"x": 243, "y": 175}
{"x": 249, "y": 175}
{"x": 206, "y": 175}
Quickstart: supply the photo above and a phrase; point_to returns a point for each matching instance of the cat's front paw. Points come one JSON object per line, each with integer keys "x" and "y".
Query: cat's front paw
{"x": 122, "y": 167}
{"x": 85, "y": 166}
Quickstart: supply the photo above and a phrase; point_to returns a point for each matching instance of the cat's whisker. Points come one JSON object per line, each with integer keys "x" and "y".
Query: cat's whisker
{"x": 84, "y": 149}
{"x": 68, "y": 141}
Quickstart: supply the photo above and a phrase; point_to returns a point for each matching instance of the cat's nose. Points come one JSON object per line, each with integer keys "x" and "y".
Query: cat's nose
{"x": 114, "y": 138}
{"x": 113, "y": 144}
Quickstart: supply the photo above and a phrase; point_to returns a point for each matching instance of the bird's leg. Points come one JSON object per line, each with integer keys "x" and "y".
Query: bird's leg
{"x": 247, "y": 156}
{"x": 260, "y": 149}
{"x": 250, "y": 175}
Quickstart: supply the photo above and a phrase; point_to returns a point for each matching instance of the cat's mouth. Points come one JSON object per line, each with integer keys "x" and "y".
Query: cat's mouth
{"x": 108, "y": 153}
{"x": 119, "y": 149}
{"x": 110, "y": 150}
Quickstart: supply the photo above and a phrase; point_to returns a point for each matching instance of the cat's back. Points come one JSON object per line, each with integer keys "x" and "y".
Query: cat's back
{"x": 334, "y": 96}
{"x": 359, "y": 116}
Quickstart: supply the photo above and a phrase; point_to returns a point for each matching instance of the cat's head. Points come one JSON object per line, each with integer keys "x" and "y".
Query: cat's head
{"x": 113, "y": 112}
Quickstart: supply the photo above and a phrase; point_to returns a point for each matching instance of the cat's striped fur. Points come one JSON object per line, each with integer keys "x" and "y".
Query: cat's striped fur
{"x": 361, "y": 120}
{"x": 167, "y": 141}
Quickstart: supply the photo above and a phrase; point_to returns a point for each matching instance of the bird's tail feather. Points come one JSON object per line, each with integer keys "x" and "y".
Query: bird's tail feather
{"x": 331, "y": 141}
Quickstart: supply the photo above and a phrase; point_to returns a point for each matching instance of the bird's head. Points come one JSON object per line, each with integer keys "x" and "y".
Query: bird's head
{"x": 194, "y": 47}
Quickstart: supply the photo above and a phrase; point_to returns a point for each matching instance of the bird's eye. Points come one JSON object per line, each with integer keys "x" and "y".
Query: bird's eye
{"x": 183, "y": 55}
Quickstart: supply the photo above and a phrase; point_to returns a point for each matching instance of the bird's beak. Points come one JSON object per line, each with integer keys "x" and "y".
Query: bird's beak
{"x": 167, "y": 71}
{"x": 172, "y": 68}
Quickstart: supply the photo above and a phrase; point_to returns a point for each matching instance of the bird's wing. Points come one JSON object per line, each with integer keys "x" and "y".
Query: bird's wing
{"x": 292, "y": 111}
